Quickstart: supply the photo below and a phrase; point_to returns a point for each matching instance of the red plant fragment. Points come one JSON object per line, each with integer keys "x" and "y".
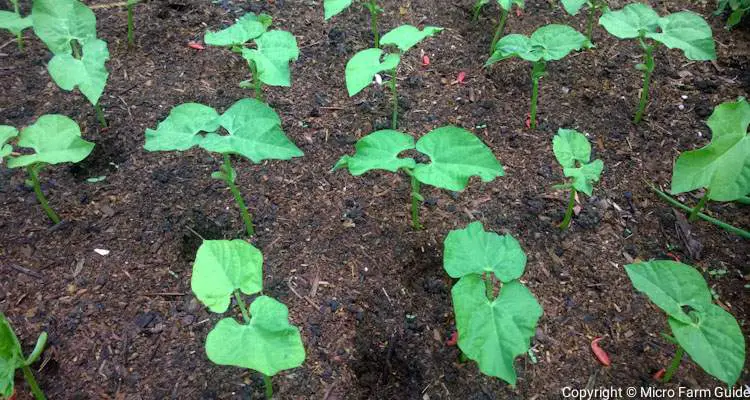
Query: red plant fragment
{"x": 461, "y": 77}
{"x": 425, "y": 60}
{"x": 196, "y": 45}
{"x": 518, "y": 12}
{"x": 600, "y": 354}
{"x": 528, "y": 121}
{"x": 674, "y": 257}
{"x": 659, "y": 375}
{"x": 453, "y": 339}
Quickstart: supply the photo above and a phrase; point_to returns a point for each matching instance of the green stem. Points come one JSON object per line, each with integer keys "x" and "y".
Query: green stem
{"x": 19, "y": 37}
{"x": 100, "y": 115}
{"x": 394, "y": 91}
{"x": 243, "y": 308}
{"x": 723, "y": 225}
{"x": 673, "y": 365}
{"x": 269, "y": 386}
{"x": 416, "y": 202}
{"x": 76, "y": 47}
{"x": 33, "y": 171}
{"x": 590, "y": 23}
{"x": 246, "y": 218}
{"x": 29, "y": 377}
{"x": 499, "y": 30}
{"x": 536, "y": 73}
{"x": 569, "y": 211}
{"x": 698, "y": 207}
{"x": 256, "y": 82}
{"x": 648, "y": 70}
{"x": 131, "y": 28}
{"x": 373, "y": 7}
{"x": 477, "y": 10}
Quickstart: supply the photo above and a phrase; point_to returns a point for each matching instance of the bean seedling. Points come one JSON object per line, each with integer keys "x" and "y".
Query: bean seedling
{"x": 573, "y": 152}
{"x": 15, "y": 23}
{"x": 362, "y": 68}
{"x": 265, "y": 341}
{"x": 455, "y": 154}
{"x": 682, "y": 30}
{"x": 572, "y": 7}
{"x": 548, "y": 43}
{"x": 254, "y": 133}
{"x": 709, "y": 334}
{"x": 269, "y": 60}
{"x": 334, "y": 7}
{"x": 505, "y": 6}
{"x": 493, "y": 329}
{"x": 11, "y": 359}
{"x": 55, "y": 139}
{"x": 131, "y": 23}
{"x": 739, "y": 9}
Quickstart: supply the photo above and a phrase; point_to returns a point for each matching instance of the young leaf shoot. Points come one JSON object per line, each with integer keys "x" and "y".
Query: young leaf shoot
{"x": 548, "y": 43}
{"x": 492, "y": 329}
{"x": 12, "y": 359}
{"x": 254, "y": 132}
{"x": 710, "y": 335}
{"x": 334, "y": 7}
{"x": 572, "y": 7}
{"x": 15, "y": 23}
{"x": 505, "y": 6}
{"x": 573, "y": 152}
{"x": 362, "y": 68}
{"x": 131, "y": 23}
{"x": 55, "y": 139}
{"x": 739, "y": 10}
{"x": 455, "y": 155}
{"x": 682, "y": 30}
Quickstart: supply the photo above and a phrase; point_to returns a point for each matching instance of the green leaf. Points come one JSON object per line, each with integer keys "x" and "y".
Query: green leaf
{"x": 361, "y": 69}
{"x": 89, "y": 73}
{"x": 494, "y": 333}
{"x": 723, "y": 166}
{"x": 573, "y": 152}
{"x": 223, "y": 266}
{"x": 507, "y": 4}
{"x": 333, "y": 7}
{"x": 688, "y": 32}
{"x": 514, "y": 45}
{"x": 7, "y": 132}
{"x": 11, "y": 357}
{"x": 407, "y": 36}
{"x": 472, "y": 250}
{"x": 714, "y": 341}
{"x": 58, "y": 22}
{"x": 179, "y": 130}
{"x": 254, "y": 132}
{"x": 585, "y": 175}
{"x": 379, "y": 150}
{"x": 572, "y": 7}
{"x": 247, "y": 27}
{"x": 630, "y": 21}
{"x": 275, "y": 50}
{"x": 455, "y": 155}
{"x": 267, "y": 344}
{"x": 55, "y": 139}
{"x": 671, "y": 285}
{"x": 550, "y": 42}
{"x": 14, "y": 22}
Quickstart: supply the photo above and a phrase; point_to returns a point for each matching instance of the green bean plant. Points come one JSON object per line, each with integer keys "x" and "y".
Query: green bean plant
{"x": 572, "y": 7}
{"x": 334, "y": 7}
{"x": 254, "y": 132}
{"x": 268, "y": 60}
{"x": 54, "y": 139}
{"x": 505, "y": 7}
{"x": 739, "y": 10}
{"x": 573, "y": 152}
{"x": 363, "y": 66}
{"x": 496, "y": 315}
{"x": 131, "y": 23}
{"x": 15, "y": 23}
{"x": 708, "y": 333}
{"x": 682, "y": 30}
{"x": 265, "y": 341}
{"x": 548, "y": 43}
{"x": 12, "y": 359}
{"x": 68, "y": 28}
{"x": 455, "y": 156}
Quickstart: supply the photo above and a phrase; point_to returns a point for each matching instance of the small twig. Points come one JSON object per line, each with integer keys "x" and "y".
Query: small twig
{"x": 165, "y": 294}
{"x": 27, "y": 271}
{"x": 312, "y": 303}
{"x": 194, "y": 232}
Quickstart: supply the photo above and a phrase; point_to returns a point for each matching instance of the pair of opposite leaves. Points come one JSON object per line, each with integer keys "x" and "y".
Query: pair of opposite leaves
{"x": 54, "y": 138}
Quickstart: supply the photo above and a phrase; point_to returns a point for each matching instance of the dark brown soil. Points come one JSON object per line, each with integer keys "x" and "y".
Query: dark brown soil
{"x": 369, "y": 294}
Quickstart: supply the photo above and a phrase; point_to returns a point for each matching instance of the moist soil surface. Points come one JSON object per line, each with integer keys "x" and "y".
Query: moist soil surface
{"x": 368, "y": 292}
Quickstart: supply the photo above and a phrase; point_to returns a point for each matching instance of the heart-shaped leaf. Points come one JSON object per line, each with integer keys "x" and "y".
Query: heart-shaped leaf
{"x": 572, "y": 7}
{"x": 407, "y": 36}
{"x": 179, "y": 131}
{"x": 631, "y": 21}
{"x": 223, "y": 266}
{"x": 275, "y": 50}
{"x": 6, "y": 133}
{"x": 333, "y": 7}
{"x": 455, "y": 156}
{"x": 472, "y": 250}
{"x": 584, "y": 176}
{"x": 247, "y": 27}
{"x": 361, "y": 69}
{"x": 549, "y": 43}
{"x": 58, "y": 22}
{"x": 379, "y": 150}
{"x": 688, "y": 32}
{"x": 14, "y": 22}
{"x": 267, "y": 344}
{"x": 55, "y": 139}
{"x": 507, "y": 4}
{"x": 573, "y": 152}
{"x": 11, "y": 357}
{"x": 89, "y": 73}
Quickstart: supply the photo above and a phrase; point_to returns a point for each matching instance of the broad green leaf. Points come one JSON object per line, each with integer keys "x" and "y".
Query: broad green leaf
{"x": 557, "y": 41}
{"x": 179, "y": 131}
{"x": 670, "y": 285}
{"x": 275, "y": 50}
{"x": 455, "y": 156}
{"x": 630, "y": 21}
{"x": 361, "y": 69}
{"x": 267, "y": 344}
{"x": 514, "y": 45}
{"x": 688, "y": 32}
{"x": 14, "y": 22}
{"x": 11, "y": 357}
{"x": 58, "y": 22}
{"x": 223, "y": 266}
{"x": 493, "y": 333}
{"x": 89, "y": 73}
{"x": 572, "y": 7}
{"x": 333, "y": 7}
{"x": 407, "y": 36}
{"x": 247, "y": 27}
{"x": 570, "y": 146}
{"x": 585, "y": 175}
{"x": 472, "y": 250}
{"x": 507, "y": 4}
{"x": 379, "y": 150}
{"x": 714, "y": 341}
{"x": 6, "y": 133}
{"x": 254, "y": 132}
{"x": 55, "y": 139}
{"x": 723, "y": 166}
